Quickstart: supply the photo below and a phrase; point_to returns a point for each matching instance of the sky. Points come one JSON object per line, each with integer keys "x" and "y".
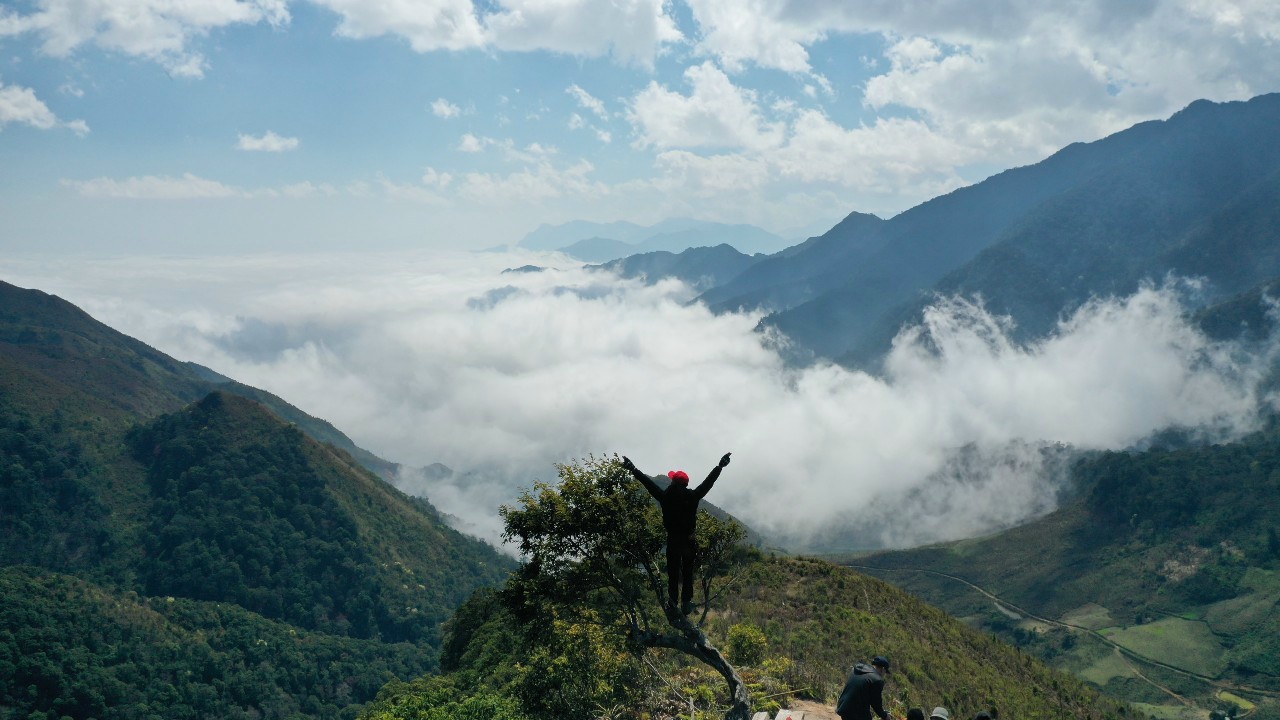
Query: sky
{"x": 289, "y": 191}
{"x": 224, "y": 126}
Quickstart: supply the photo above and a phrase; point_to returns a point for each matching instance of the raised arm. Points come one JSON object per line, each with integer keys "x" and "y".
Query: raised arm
{"x": 705, "y": 486}
{"x": 647, "y": 481}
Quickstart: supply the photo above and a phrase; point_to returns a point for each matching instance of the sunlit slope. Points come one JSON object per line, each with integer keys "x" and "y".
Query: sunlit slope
{"x": 813, "y": 620}
{"x": 113, "y": 479}
{"x": 1171, "y": 559}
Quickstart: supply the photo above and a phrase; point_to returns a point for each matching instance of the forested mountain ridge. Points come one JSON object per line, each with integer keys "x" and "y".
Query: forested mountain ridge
{"x": 1195, "y": 194}
{"x": 1171, "y": 555}
{"x": 1198, "y": 199}
{"x": 115, "y": 481}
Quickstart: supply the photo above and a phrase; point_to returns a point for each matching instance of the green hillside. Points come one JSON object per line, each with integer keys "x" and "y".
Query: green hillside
{"x": 580, "y": 629}
{"x": 115, "y": 482}
{"x": 793, "y": 627}
{"x": 1160, "y": 583}
{"x": 70, "y": 648}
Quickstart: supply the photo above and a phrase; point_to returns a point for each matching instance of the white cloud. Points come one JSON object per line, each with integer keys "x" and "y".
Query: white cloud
{"x": 442, "y": 108}
{"x": 901, "y": 160}
{"x": 189, "y": 186}
{"x": 758, "y": 31}
{"x": 152, "y": 187}
{"x": 159, "y": 30}
{"x": 588, "y": 101}
{"x": 433, "y": 178}
{"x": 1012, "y": 81}
{"x": 631, "y": 31}
{"x": 20, "y": 105}
{"x": 429, "y": 25}
{"x": 535, "y": 183}
{"x": 716, "y": 114}
{"x": 270, "y": 142}
{"x": 593, "y": 104}
{"x": 472, "y": 144}
{"x": 429, "y": 358}
{"x": 308, "y": 189}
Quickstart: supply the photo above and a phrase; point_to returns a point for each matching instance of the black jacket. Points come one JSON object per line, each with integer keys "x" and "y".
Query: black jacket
{"x": 679, "y": 503}
{"x": 862, "y": 694}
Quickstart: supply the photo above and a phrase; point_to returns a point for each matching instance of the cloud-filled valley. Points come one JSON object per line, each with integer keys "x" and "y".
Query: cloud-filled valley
{"x": 444, "y": 358}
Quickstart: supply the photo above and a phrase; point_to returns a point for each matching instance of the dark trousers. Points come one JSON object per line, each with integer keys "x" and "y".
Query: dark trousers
{"x": 682, "y": 556}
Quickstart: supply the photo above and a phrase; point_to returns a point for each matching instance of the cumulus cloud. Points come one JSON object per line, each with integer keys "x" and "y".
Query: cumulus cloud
{"x": 442, "y": 108}
{"x": 902, "y": 159}
{"x": 716, "y": 114}
{"x": 159, "y": 30}
{"x": 631, "y": 31}
{"x": 469, "y": 143}
{"x": 269, "y": 142}
{"x": 429, "y": 358}
{"x": 959, "y": 89}
{"x": 20, "y": 105}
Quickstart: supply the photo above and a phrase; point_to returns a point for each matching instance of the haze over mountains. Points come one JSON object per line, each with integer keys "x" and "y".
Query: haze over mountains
{"x": 601, "y": 242}
{"x": 1194, "y": 195}
{"x": 444, "y": 359}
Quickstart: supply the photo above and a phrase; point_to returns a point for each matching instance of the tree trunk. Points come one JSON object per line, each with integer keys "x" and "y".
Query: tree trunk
{"x": 692, "y": 641}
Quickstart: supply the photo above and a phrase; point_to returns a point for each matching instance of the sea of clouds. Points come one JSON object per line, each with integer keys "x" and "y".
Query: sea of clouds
{"x": 429, "y": 358}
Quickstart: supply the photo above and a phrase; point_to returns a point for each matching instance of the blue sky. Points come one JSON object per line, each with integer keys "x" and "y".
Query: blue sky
{"x": 190, "y": 126}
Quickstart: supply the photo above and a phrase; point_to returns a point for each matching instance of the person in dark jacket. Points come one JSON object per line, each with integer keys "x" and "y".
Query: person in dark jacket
{"x": 863, "y": 692}
{"x": 679, "y": 517}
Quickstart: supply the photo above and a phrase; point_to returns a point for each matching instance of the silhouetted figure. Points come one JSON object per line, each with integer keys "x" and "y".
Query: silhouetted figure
{"x": 863, "y": 691}
{"x": 915, "y": 714}
{"x": 679, "y": 517}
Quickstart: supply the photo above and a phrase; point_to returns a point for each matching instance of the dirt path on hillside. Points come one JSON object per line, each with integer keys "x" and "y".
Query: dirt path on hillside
{"x": 1126, "y": 652}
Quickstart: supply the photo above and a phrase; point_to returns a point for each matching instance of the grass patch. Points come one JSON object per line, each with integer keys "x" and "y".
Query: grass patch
{"x": 1264, "y": 581}
{"x": 1105, "y": 669}
{"x": 1241, "y": 614}
{"x": 1091, "y": 616}
{"x": 1236, "y": 700}
{"x": 1169, "y": 712}
{"x": 1181, "y": 643}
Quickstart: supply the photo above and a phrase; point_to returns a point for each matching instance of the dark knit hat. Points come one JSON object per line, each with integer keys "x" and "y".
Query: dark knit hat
{"x": 880, "y": 661}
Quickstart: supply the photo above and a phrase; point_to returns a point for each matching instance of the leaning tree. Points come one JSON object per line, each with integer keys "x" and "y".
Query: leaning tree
{"x": 592, "y": 547}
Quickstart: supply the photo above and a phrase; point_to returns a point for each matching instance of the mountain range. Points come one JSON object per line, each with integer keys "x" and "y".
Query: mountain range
{"x": 1196, "y": 195}
{"x": 602, "y": 242}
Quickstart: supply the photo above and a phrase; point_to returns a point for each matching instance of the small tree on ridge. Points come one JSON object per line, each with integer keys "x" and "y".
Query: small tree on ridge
{"x": 593, "y": 546}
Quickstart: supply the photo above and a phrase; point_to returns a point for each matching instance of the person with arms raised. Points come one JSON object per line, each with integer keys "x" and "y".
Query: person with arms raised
{"x": 679, "y": 517}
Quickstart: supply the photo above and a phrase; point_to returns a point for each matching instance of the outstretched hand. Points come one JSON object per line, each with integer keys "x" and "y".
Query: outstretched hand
{"x": 725, "y": 460}
{"x": 626, "y": 463}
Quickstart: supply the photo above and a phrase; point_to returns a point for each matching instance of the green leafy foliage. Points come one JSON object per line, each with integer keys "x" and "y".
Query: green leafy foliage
{"x": 560, "y": 637}
{"x": 433, "y": 698}
{"x": 747, "y": 644}
{"x": 1172, "y": 548}
{"x": 309, "y": 581}
{"x": 68, "y": 647}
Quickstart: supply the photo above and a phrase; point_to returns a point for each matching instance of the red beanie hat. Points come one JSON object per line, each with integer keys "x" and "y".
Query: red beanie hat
{"x": 679, "y": 476}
